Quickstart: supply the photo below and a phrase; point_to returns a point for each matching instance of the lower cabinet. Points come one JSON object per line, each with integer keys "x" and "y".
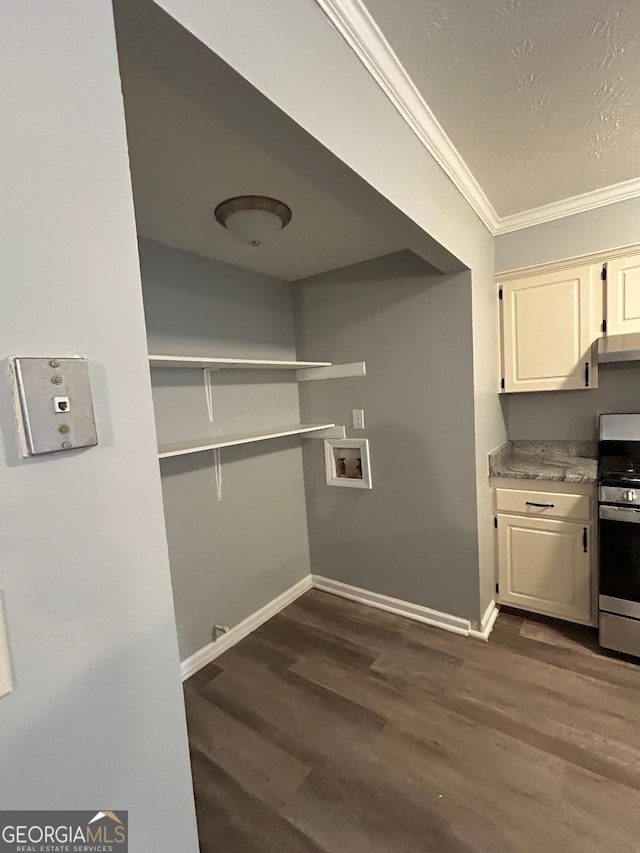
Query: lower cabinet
{"x": 545, "y": 565}
{"x": 546, "y": 562}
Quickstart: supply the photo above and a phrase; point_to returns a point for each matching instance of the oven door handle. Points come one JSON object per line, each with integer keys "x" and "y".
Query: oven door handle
{"x": 619, "y": 513}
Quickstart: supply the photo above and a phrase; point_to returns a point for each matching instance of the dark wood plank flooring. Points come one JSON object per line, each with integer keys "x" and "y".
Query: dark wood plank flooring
{"x": 336, "y": 727}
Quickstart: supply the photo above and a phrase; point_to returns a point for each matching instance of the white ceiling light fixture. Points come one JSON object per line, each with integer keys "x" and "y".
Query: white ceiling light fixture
{"x": 252, "y": 219}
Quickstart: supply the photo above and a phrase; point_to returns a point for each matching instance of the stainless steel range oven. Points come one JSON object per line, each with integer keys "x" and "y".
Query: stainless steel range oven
{"x": 619, "y": 529}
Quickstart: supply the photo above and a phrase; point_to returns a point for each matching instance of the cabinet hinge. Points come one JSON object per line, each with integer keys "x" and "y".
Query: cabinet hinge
{"x": 497, "y": 588}
{"x": 603, "y": 274}
{"x": 495, "y": 521}
{"x": 502, "y": 382}
{"x": 500, "y": 293}
{"x": 604, "y": 325}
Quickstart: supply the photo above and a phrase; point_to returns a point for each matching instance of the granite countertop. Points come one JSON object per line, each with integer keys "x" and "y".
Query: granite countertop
{"x": 568, "y": 461}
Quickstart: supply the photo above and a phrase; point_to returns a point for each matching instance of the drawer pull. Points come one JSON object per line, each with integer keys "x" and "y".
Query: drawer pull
{"x": 533, "y": 503}
{"x": 584, "y": 539}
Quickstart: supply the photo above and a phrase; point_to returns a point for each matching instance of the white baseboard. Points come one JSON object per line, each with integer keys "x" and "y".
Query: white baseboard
{"x": 419, "y": 613}
{"x": 488, "y": 621}
{"x": 211, "y": 651}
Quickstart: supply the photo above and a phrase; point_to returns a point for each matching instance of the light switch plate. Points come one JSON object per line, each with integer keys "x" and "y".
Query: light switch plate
{"x": 54, "y": 404}
{"x": 6, "y": 681}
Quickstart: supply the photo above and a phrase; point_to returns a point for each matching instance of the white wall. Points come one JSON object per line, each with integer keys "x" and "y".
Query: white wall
{"x": 96, "y": 718}
{"x": 379, "y": 146}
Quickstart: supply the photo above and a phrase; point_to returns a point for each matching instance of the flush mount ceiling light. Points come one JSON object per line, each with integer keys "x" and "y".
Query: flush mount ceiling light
{"x": 252, "y": 219}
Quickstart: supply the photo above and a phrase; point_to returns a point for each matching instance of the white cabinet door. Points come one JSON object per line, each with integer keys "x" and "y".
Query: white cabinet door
{"x": 548, "y": 327}
{"x": 623, "y": 295}
{"x": 545, "y": 566}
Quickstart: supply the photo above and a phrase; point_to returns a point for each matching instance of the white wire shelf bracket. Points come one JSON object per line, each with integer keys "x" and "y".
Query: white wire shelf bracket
{"x": 183, "y": 448}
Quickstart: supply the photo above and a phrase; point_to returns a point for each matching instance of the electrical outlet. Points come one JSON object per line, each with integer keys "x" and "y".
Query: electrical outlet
{"x": 358, "y": 418}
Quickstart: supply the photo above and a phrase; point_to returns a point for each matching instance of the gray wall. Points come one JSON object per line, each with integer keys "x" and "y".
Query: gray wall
{"x": 329, "y": 79}
{"x": 228, "y": 558}
{"x": 571, "y": 414}
{"x": 592, "y": 231}
{"x": 414, "y": 535}
{"x": 96, "y": 717}
{"x": 490, "y": 428}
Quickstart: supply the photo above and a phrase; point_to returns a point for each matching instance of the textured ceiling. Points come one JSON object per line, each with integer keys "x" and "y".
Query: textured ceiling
{"x": 541, "y": 98}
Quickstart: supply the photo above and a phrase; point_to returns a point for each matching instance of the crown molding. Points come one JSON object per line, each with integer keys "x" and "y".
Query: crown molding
{"x": 356, "y": 26}
{"x": 569, "y": 206}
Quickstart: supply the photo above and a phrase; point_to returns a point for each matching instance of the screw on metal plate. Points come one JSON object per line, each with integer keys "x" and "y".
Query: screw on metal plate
{"x": 49, "y": 416}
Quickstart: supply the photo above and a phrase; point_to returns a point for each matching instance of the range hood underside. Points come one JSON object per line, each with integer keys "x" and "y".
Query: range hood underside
{"x": 619, "y": 348}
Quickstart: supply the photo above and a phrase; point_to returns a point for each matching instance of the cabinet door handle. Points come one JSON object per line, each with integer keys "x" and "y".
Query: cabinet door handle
{"x": 584, "y": 539}
{"x": 586, "y": 374}
{"x": 533, "y": 503}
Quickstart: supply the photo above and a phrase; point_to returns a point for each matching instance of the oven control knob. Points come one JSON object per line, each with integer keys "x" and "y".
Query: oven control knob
{"x": 629, "y": 495}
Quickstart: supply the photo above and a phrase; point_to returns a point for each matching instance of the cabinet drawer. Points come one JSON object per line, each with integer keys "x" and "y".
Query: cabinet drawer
{"x": 556, "y": 505}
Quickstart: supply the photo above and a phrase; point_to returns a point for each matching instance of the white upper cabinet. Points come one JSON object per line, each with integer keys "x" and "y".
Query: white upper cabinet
{"x": 623, "y": 295}
{"x": 549, "y": 323}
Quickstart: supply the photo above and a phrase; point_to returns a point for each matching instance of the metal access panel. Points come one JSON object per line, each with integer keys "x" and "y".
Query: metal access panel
{"x": 54, "y": 403}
